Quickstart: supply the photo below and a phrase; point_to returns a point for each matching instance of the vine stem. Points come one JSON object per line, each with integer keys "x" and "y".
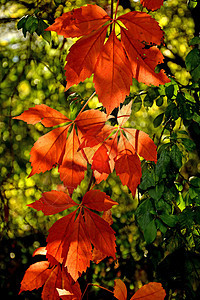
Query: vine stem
{"x": 116, "y": 9}
{"x": 93, "y": 94}
{"x": 111, "y": 15}
{"x": 97, "y": 286}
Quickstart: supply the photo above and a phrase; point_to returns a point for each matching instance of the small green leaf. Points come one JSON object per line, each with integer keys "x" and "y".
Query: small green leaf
{"x": 196, "y": 118}
{"x": 176, "y": 157}
{"x": 194, "y": 41}
{"x": 147, "y": 179}
{"x": 161, "y": 226}
{"x": 189, "y": 144}
{"x": 21, "y": 22}
{"x": 170, "y": 220}
{"x": 41, "y": 27}
{"x": 31, "y": 24}
{"x": 158, "y": 120}
{"x": 148, "y": 102}
{"x": 169, "y": 91}
{"x": 143, "y": 215}
{"x": 137, "y": 104}
{"x": 159, "y": 101}
{"x": 150, "y": 232}
{"x": 157, "y": 192}
{"x": 47, "y": 36}
{"x": 192, "y": 60}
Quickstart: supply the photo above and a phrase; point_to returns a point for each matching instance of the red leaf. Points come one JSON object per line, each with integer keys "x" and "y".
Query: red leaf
{"x": 80, "y": 21}
{"x": 40, "y": 251}
{"x": 142, "y": 144}
{"x": 120, "y": 291}
{"x": 112, "y": 76}
{"x": 101, "y": 160}
{"x": 80, "y": 249}
{"x": 124, "y": 114}
{"x": 58, "y": 238}
{"x": 35, "y": 276}
{"x": 142, "y": 27}
{"x": 47, "y": 152}
{"x": 101, "y": 234}
{"x": 53, "y": 202}
{"x": 42, "y": 113}
{"x": 143, "y": 61}
{"x": 150, "y": 291}
{"x": 81, "y": 64}
{"x": 74, "y": 164}
{"x": 152, "y": 4}
{"x": 54, "y": 280}
{"x": 97, "y": 200}
{"x": 91, "y": 120}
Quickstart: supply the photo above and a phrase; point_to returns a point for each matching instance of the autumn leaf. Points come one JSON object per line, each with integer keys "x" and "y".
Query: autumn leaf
{"x": 150, "y": 291}
{"x": 60, "y": 146}
{"x": 152, "y": 4}
{"x": 115, "y": 61}
{"x": 120, "y": 291}
{"x": 70, "y": 239}
{"x": 53, "y": 202}
{"x": 53, "y": 278}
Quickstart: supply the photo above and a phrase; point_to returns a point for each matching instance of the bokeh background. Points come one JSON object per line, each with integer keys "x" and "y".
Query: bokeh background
{"x": 32, "y": 72}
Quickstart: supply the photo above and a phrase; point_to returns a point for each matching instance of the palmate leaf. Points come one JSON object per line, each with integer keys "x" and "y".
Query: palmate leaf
{"x": 56, "y": 147}
{"x": 113, "y": 62}
{"x": 70, "y": 239}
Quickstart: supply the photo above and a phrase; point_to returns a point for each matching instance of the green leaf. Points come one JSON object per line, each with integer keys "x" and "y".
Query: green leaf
{"x": 147, "y": 179}
{"x": 170, "y": 220}
{"x": 158, "y": 120}
{"x": 41, "y": 27}
{"x": 196, "y": 118}
{"x": 189, "y": 144}
{"x": 159, "y": 101}
{"x": 169, "y": 91}
{"x": 143, "y": 215}
{"x": 161, "y": 226}
{"x": 194, "y": 41}
{"x": 192, "y": 60}
{"x": 157, "y": 192}
{"x": 47, "y": 36}
{"x": 137, "y": 104}
{"x": 31, "y": 24}
{"x": 196, "y": 73}
{"x": 162, "y": 165}
{"x": 150, "y": 232}
{"x": 21, "y": 22}
{"x": 176, "y": 156}
{"x": 148, "y": 102}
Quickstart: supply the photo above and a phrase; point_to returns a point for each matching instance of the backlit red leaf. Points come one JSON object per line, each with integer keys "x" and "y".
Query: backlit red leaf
{"x": 112, "y": 76}
{"x": 42, "y": 113}
{"x": 150, "y": 291}
{"x": 53, "y": 202}
{"x": 124, "y": 114}
{"x": 81, "y": 64}
{"x": 80, "y": 249}
{"x": 100, "y": 233}
{"x": 47, "y": 152}
{"x": 97, "y": 200}
{"x": 35, "y": 276}
{"x": 142, "y": 144}
{"x": 101, "y": 160}
{"x": 74, "y": 164}
{"x": 120, "y": 291}
{"x": 80, "y": 21}
{"x": 53, "y": 281}
{"x": 152, "y": 4}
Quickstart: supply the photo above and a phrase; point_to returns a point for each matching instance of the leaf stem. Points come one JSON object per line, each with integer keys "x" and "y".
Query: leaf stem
{"x": 111, "y": 15}
{"x": 116, "y": 9}
{"x": 93, "y": 94}
{"x": 97, "y": 286}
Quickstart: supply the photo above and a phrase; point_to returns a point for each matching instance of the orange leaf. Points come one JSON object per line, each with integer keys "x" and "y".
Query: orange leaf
{"x": 80, "y": 21}
{"x": 74, "y": 164}
{"x": 47, "y": 152}
{"x": 53, "y": 202}
{"x": 112, "y": 76}
{"x": 97, "y": 200}
{"x": 150, "y": 291}
{"x": 58, "y": 238}
{"x": 54, "y": 280}
{"x": 101, "y": 234}
{"x": 124, "y": 114}
{"x": 142, "y": 27}
{"x": 101, "y": 160}
{"x": 143, "y": 61}
{"x": 42, "y": 113}
{"x": 120, "y": 291}
{"x": 35, "y": 276}
{"x": 80, "y": 249}
{"x": 152, "y": 4}
{"x": 81, "y": 63}
{"x": 90, "y": 120}
{"x": 40, "y": 251}
{"x": 142, "y": 144}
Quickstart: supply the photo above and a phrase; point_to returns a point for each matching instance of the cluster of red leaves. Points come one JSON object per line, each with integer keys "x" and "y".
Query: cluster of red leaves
{"x": 90, "y": 141}
{"x": 114, "y": 62}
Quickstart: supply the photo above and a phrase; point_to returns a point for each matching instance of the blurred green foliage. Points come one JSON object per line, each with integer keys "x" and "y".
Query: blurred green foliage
{"x": 158, "y": 231}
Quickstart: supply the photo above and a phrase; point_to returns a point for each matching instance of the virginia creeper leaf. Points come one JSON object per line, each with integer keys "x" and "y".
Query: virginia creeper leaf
{"x": 97, "y": 200}
{"x": 150, "y": 291}
{"x": 53, "y": 202}
{"x": 120, "y": 291}
{"x": 152, "y": 4}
